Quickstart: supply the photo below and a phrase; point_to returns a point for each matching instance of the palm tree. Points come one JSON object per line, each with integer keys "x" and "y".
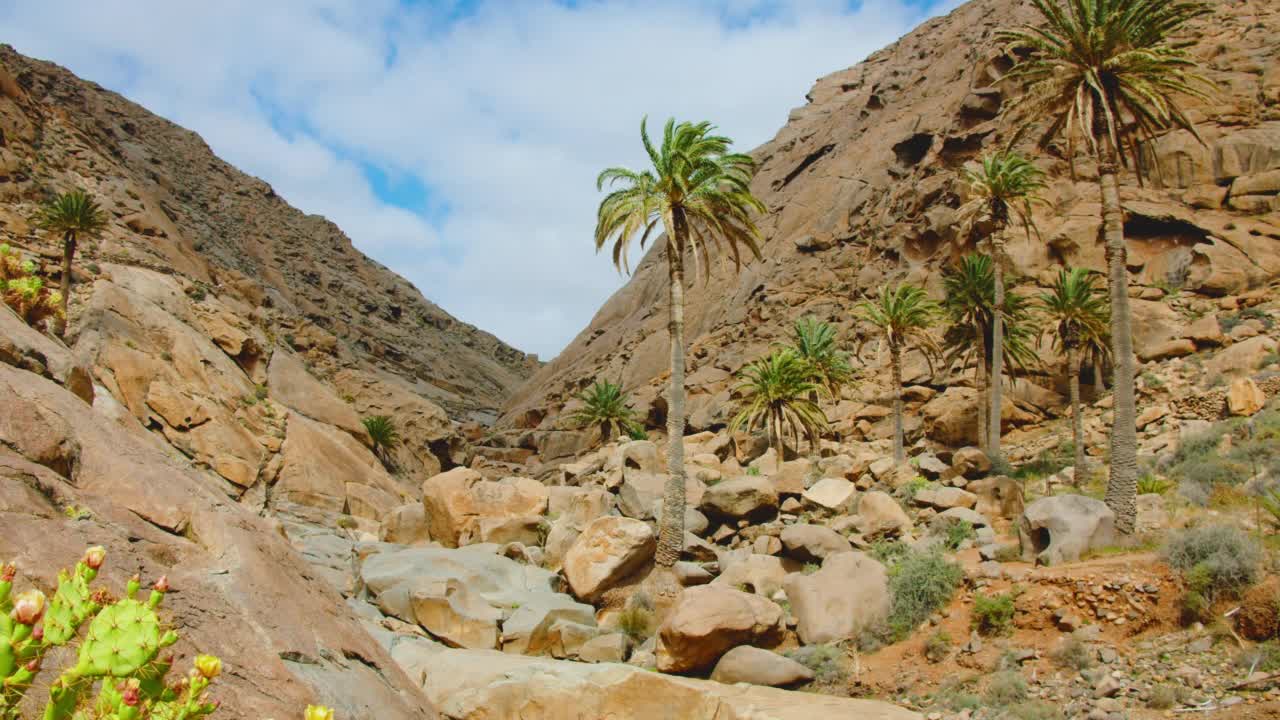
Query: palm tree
{"x": 382, "y": 431}
{"x": 1109, "y": 72}
{"x": 778, "y": 394}
{"x": 73, "y": 215}
{"x": 697, "y": 194}
{"x": 1078, "y": 311}
{"x": 604, "y": 404}
{"x": 903, "y": 313}
{"x": 1002, "y": 189}
{"x": 815, "y": 343}
{"x": 969, "y": 303}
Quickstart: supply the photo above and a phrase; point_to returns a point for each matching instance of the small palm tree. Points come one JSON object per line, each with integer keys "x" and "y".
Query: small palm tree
{"x": 815, "y": 343}
{"x": 903, "y": 313}
{"x": 384, "y": 434}
{"x": 777, "y": 392}
{"x": 1078, "y": 311}
{"x": 697, "y": 194}
{"x": 1003, "y": 190}
{"x": 1110, "y": 72}
{"x": 604, "y": 404}
{"x": 969, "y": 307}
{"x": 73, "y": 215}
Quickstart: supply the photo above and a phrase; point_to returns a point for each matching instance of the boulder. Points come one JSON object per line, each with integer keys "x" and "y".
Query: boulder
{"x": 945, "y": 498}
{"x": 1152, "y": 515}
{"x": 1244, "y": 397}
{"x": 1206, "y": 332}
{"x": 976, "y": 519}
{"x": 812, "y": 543}
{"x": 792, "y": 477}
{"x": 754, "y": 573}
{"x": 998, "y": 496}
{"x": 570, "y": 510}
{"x": 746, "y": 664}
{"x": 639, "y": 491}
{"x": 26, "y": 348}
{"x": 548, "y": 622}
{"x": 321, "y": 464}
{"x": 640, "y": 455}
{"x": 480, "y": 685}
{"x": 607, "y": 648}
{"x": 833, "y": 494}
{"x": 608, "y": 550}
{"x": 462, "y": 507}
{"x": 848, "y": 594}
{"x": 1171, "y": 348}
{"x": 709, "y": 620}
{"x": 747, "y": 495}
{"x": 689, "y": 574}
{"x": 970, "y": 462}
{"x": 881, "y": 515}
{"x": 1242, "y": 358}
{"x": 1061, "y": 528}
{"x": 291, "y": 385}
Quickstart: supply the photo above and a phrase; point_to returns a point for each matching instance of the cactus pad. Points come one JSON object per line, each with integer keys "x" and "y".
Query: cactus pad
{"x": 72, "y": 604}
{"x": 122, "y": 639}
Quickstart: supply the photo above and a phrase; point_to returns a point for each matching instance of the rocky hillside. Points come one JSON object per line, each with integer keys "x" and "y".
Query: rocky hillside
{"x": 861, "y": 186}
{"x": 179, "y": 209}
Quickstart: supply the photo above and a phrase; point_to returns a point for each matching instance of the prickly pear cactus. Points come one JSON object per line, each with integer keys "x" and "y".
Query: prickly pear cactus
{"x": 119, "y": 653}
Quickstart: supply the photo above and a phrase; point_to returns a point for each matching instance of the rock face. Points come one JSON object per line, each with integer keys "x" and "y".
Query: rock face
{"x": 176, "y": 206}
{"x": 862, "y": 184}
{"x": 1061, "y": 528}
{"x": 477, "y": 685}
{"x": 608, "y": 550}
{"x": 849, "y": 593}
{"x": 233, "y": 572}
{"x": 462, "y": 508}
{"x": 709, "y": 620}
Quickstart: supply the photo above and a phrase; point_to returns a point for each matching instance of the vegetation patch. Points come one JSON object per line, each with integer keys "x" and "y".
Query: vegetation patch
{"x": 920, "y": 584}
{"x": 1216, "y": 562}
{"x": 825, "y": 661}
{"x": 994, "y": 615}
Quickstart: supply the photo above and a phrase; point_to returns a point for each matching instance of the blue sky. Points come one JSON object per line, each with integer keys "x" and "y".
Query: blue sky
{"x": 458, "y": 142}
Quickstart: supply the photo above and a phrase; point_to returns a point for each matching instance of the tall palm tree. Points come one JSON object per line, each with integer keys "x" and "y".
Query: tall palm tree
{"x": 698, "y": 195}
{"x": 604, "y": 404}
{"x": 904, "y": 313}
{"x": 777, "y": 394}
{"x": 1078, "y": 311}
{"x": 969, "y": 307}
{"x": 1108, "y": 71}
{"x": 1002, "y": 190}
{"x": 74, "y": 215}
{"x": 815, "y": 343}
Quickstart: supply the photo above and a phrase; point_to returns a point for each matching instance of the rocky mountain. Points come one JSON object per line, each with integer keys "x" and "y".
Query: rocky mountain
{"x": 862, "y": 186}
{"x": 179, "y": 209}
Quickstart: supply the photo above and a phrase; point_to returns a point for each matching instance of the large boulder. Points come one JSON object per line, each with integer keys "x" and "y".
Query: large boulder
{"x": 608, "y": 550}
{"x": 28, "y": 349}
{"x": 970, "y": 462}
{"x": 570, "y": 510}
{"x": 1241, "y": 359}
{"x": 326, "y": 468}
{"x": 709, "y": 620}
{"x": 480, "y": 685}
{"x": 833, "y": 494}
{"x": 848, "y": 594}
{"x": 812, "y": 542}
{"x": 747, "y": 495}
{"x": 405, "y": 525}
{"x": 463, "y": 507}
{"x": 881, "y": 515}
{"x": 792, "y": 477}
{"x": 998, "y": 496}
{"x": 945, "y": 498}
{"x": 1061, "y": 528}
{"x": 753, "y": 572}
{"x": 746, "y": 664}
{"x": 1244, "y": 397}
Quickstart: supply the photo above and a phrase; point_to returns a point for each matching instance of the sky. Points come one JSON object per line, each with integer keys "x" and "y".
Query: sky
{"x": 458, "y": 141}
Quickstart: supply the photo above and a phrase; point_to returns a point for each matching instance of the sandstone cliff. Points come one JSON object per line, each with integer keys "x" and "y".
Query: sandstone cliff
{"x": 861, "y": 187}
{"x": 178, "y": 208}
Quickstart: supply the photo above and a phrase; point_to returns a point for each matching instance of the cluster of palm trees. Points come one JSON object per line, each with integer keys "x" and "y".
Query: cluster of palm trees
{"x": 1102, "y": 73}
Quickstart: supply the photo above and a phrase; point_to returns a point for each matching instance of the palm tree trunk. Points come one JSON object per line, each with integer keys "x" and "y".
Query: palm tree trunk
{"x": 671, "y": 533}
{"x": 68, "y": 254}
{"x": 1099, "y": 380}
{"x": 997, "y": 343}
{"x": 1122, "y": 486}
{"x": 779, "y": 445}
{"x": 1077, "y": 421}
{"x": 895, "y": 362}
{"x": 980, "y": 380}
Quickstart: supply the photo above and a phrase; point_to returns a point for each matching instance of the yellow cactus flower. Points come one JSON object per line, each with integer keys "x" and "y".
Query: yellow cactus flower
{"x": 209, "y": 666}
{"x": 319, "y": 712}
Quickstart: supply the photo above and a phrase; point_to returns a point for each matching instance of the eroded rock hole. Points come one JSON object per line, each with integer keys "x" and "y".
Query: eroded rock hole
{"x": 912, "y": 150}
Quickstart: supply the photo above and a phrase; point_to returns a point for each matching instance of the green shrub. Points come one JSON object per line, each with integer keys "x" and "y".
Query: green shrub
{"x": 754, "y": 471}
{"x": 260, "y": 391}
{"x": 938, "y": 647}
{"x": 1216, "y": 562}
{"x": 1166, "y": 697}
{"x": 1005, "y": 688}
{"x": 635, "y": 621}
{"x": 957, "y": 532}
{"x": 1008, "y": 553}
{"x": 993, "y": 615}
{"x": 1150, "y": 484}
{"x": 889, "y": 552}
{"x": 920, "y": 584}
{"x": 1264, "y": 656}
{"x": 824, "y": 660}
{"x": 1047, "y": 463}
{"x": 1032, "y": 710}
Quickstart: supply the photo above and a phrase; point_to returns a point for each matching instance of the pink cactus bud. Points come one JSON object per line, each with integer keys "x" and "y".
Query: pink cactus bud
{"x": 33, "y": 666}
{"x": 215, "y": 704}
{"x": 28, "y": 607}
{"x": 162, "y": 585}
{"x": 94, "y": 556}
{"x": 130, "y": 695}
{"x": 38, "y": 633}
{"x": 8, "y": 572}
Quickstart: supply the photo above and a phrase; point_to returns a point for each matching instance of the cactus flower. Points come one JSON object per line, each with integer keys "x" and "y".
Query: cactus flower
{"x": 28, "y": 607}
{"x": 38, "y": 634}
{"x": 94, "y": 556}
{"x": 319, "y": 712}
{"x": 32, "y": 666}
{"x": 162, "y": 585}
{"x": 129, "y": 693}
{"x": 8, "y": 572}
{"x": 209, "y": 666}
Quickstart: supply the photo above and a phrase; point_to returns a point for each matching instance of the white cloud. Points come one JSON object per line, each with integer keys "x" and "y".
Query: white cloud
{"x": 505, "y": 111}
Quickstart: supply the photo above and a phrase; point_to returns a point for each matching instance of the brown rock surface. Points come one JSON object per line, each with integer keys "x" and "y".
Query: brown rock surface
{"x": 709, "y": 620}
